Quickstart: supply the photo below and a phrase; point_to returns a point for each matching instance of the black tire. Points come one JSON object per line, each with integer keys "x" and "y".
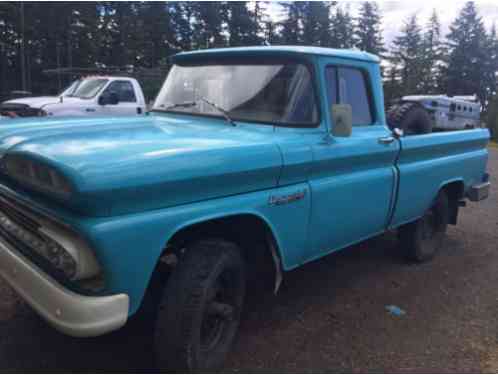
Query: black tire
{"x": 422, "y": 239}
{"x": 200, "y": 308}
{"x": 411, "y": 117}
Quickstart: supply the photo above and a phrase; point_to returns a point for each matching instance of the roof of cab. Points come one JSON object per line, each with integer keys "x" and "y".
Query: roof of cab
{"x": 279, "y": 50}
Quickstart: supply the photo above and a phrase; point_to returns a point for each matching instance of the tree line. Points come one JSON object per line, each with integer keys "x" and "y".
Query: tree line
{"x": 35, "y": 36}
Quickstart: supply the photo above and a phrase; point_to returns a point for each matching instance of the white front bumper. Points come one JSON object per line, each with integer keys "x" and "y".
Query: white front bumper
{"x": 69, "y": 312}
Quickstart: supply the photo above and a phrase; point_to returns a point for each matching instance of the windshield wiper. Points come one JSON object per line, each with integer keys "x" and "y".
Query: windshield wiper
{"x": 194, "y": 103}
{"x": 224, "y": 112}
{"x": 179, "y": 105}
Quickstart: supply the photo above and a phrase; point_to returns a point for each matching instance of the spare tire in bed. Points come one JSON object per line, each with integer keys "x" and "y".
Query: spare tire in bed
{"x": 411, "y": 117}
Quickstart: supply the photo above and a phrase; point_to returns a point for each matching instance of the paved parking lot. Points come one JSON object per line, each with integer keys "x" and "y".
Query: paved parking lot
{"x": 329, "y": 316}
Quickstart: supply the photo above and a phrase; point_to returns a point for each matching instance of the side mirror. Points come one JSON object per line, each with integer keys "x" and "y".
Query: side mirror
{"x": 111, "y": 98}
{"x": 342, "y": 120}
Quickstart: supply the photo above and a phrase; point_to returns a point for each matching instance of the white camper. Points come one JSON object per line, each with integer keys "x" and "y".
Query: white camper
{"x": 450, "y": 112}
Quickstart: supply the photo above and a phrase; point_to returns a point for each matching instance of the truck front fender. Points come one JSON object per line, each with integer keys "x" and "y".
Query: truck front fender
{"x": 129, "y": 246}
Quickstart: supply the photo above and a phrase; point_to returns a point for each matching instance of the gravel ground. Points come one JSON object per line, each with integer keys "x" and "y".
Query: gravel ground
{"x": 329, "y": 316}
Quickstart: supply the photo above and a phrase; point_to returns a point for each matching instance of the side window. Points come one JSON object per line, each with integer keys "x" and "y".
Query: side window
{"x": 353, "y": 91}
{"x": 124, "y": 89}
{"x": 331, "y": 82}
{"x": 349, "y": 86}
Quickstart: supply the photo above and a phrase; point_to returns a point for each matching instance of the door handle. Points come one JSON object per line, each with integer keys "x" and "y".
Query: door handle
{"x": 386, "y": 140}
{"x": 90, "y": 109}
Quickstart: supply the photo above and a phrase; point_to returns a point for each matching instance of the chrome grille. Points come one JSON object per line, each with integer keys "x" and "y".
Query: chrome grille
{"x": 23, "y": 233}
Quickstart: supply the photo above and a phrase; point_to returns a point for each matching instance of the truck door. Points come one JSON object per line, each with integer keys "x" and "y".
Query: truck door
{"x": 353, "y": 178}
{"x": 127, "y": 100}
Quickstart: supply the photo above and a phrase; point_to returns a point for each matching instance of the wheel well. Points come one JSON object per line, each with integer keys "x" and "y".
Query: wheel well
{"x": 251, "y": 233}
{"x": 455, "y": 192}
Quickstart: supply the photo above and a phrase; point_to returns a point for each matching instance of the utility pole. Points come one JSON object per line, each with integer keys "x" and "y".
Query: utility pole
{"x": 23, "y": 59}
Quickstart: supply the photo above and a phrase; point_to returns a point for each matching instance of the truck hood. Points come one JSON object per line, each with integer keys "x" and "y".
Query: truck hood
{"x": 43, "y": 101}
{"x": 35, "y": 102}
{"x": 131, "y": 164}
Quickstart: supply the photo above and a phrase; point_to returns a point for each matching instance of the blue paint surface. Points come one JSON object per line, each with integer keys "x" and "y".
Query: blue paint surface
{"x": 139, "y": 180}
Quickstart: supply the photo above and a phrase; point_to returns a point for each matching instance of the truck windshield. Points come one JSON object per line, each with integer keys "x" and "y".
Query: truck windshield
{"x": 70, "y": 89}
{"x": 88, "y": 88}
{"x": 268, "y": 92}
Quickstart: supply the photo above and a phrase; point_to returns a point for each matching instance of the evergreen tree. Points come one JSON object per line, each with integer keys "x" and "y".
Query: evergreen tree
{"x": 432, "y": 55}
{"x": 272, "y": 34}
{"x": 242, "y": 25}
{"x": 342, "y": 29}
{"x": 258, "y": 16}
{"x": 491, "y": 61}
{"x": 210, "y": 18}
{"x": 393, "y": 89}
{"x": 368, "y": 31}
{"x": 406, "y": 56}
{"x": 8, "y": 50}
{"x": 490, "y": 115}
{"x": 292, "y": 24}
{"x": 158, "y": 35}
{"x": 316, "y": 23}
{"x": 467, "y": 72}
{"x": 183, "y": 19}
{"x": 142, "y": 34}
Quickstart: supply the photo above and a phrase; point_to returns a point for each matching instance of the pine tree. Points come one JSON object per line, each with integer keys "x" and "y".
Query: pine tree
{"x": 406, "y": 56}
{"x": 292, "y": 24}
{"x": 342, "y": 29}
{"x": 8, "y": 50}
{"x": 183, "y": 19}
{"x": 468, "y": 61}
{"x": 393, "y": 89}
{"x": 242, "y": 25}
{"x": 432, "y": 55}
{"x": 258, "y": 17}
{"x": 368, "y": 31}
{"x": 490, "y": 115}
{"x": 491, "y": 66}
{"x": 158, "y": 38}
{"x": 316, "y": 23}
{"x": 210, "y": 18}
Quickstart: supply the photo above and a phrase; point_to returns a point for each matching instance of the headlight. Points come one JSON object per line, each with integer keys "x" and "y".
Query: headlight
{"x": 36, "y": 174}
{"x": 70, "y": 254}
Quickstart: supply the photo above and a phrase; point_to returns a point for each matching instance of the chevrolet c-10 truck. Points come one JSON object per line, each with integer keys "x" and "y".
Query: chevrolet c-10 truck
{"x": 253, "y": 161}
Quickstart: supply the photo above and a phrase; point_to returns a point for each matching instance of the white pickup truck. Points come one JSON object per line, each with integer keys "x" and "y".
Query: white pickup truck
{"x": 89, "y": 96}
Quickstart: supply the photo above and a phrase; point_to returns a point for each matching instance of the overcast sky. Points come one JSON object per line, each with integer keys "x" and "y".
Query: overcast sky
{"x": 394, "y": 13}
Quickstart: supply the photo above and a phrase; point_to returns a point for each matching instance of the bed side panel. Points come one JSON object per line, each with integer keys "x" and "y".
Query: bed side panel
{"x": 430, "y": 161}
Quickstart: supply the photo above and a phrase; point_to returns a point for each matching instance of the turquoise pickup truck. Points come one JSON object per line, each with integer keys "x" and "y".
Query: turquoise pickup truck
{"x": 252, "y": 162}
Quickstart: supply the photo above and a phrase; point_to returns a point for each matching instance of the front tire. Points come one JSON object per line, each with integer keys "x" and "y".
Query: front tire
{"x": 200, "y": 308}
{"x": 422, "y": 239}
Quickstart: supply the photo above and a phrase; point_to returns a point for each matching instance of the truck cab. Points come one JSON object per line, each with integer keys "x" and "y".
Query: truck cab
{"x": 88, "y": 96}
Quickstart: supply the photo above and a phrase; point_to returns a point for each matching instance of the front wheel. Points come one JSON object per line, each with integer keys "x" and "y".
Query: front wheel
{"x": 200, "y": 308}
{"x": 422, "y": 239}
